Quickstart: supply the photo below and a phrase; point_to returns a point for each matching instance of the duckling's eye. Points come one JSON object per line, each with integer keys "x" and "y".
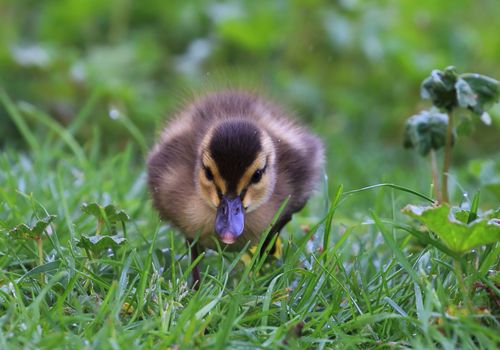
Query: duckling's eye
{"x": 208, "y": 174}
{"x": 256, "y": 176}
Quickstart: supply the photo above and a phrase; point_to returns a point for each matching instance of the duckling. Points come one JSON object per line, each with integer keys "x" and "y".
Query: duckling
{"x": 224, "y": 165}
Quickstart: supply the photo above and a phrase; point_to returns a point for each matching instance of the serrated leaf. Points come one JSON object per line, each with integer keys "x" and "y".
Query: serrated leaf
{"x": 439, "y": 87}
{"x": 93, "y": 209}
{"x": 109, "y": 212}
{"x": 24, "y": 231}
{"x": 448, "y": 224}
{"x": 486, "y": 90}
{"x": 447, "y": 90}
{"x": 466, "y": 97}
{"x": 426, "y": 131}
{"x": 21, "y": 231}
{"x": 461, "y": 215}
{"x": 99, "y": 243}
{"x": 116, "y": 215}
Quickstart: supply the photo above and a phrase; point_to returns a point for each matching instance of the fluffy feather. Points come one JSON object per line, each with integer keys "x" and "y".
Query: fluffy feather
{"x": 235, "y": 128}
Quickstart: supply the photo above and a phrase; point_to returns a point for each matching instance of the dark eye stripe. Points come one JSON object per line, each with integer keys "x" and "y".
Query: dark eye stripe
{"x": 208, "y": 173}
{"x": 219, "y": 192}
{"x": 243, "y": 193}
{"x": 256, "y": 176}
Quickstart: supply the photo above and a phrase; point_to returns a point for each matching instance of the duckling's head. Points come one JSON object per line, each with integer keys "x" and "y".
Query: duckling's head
{"x": 235, "y": 173}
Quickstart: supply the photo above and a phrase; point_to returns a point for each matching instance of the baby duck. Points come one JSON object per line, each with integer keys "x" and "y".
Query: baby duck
{"x": 224, "y": 165}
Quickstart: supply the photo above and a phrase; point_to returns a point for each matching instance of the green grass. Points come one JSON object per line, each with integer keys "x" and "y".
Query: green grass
{"x": 369, "y": 277}
{"x": 357, "y": 279}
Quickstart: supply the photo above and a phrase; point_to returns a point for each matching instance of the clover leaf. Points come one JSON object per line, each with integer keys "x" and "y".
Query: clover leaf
{"x": 447, "y": 90}
{"x": 109, "y": 212}
{"x": 439, "y": 87}
{"x": 426, "y": 131}
{"x": 450, "y": 225}
{"x": 485, "y": 92}
{"x": 25, "y": 232}
{"x": 100, "y": 243}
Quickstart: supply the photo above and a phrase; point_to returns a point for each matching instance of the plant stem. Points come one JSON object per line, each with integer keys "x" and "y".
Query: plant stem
{"x": 119, "y": 20}
{"x": 87, "y": 265}
{"x": 461, "y": 285}
{"x": 98, "y": 227}
{"x": 435, "y": 180}
{"x": 447, "y": 157}
{"x": 39, "y": 246}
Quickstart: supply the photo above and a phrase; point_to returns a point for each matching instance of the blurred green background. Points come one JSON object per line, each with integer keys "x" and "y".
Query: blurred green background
{"x": 351, "y": 69}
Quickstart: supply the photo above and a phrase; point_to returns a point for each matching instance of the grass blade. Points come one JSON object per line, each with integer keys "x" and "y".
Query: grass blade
{"x": 395, "y": 248}
{"x": 18, "y": 120}
{"x": 397, "y": 187}
{"x": 48, "y": 121}
{"x": 473, "y": 208}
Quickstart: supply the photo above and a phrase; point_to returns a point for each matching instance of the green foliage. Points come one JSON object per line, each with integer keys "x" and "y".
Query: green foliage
{"x": 355, "y": 292}
{"x": 477, "y": 92}
{"x": 487, "y": 173}
{"x": 459, "y": 230}
{"x": 452, "y": 226}
{"x": 440, "y": 88}
{"x": 25, "y": 232}
{"x": 107, "y": 213}
{"x": 110, "y": 215}
{"x": 448, "y": 90}
{"x": 426, "y": 131}
{"x": 100, "y": 243}
{"x": 86, "y": 84}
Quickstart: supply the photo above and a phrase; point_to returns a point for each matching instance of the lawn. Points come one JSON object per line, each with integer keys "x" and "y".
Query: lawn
{"x": 85, "y": 262}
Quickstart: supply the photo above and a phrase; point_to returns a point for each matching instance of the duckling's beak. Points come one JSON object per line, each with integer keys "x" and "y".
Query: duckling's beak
{"x": 230, "y": 219}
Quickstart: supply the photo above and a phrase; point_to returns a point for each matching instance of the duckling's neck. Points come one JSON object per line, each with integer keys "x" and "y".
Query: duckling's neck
{"x": 234, "y": 146}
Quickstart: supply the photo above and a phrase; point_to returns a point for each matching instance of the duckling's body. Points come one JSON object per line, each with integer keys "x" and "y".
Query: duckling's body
{"x": 225, "y": 164}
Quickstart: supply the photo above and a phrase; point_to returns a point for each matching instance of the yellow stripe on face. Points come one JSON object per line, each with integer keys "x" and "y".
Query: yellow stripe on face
{"x": 265, "y": 156}
{"x": 259, "y": 163}
{"x": 218, "y": 180}
{"x": 208, "y": 162}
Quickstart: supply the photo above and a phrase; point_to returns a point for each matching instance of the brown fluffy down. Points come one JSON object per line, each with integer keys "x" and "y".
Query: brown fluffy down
{"x": 174, "y": 162}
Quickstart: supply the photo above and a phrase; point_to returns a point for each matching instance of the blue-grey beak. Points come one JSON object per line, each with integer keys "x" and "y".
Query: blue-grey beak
{"x": 230, "y": 219}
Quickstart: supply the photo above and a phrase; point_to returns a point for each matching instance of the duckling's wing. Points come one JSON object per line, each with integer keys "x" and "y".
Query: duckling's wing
{"x": 299, "y": 160}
